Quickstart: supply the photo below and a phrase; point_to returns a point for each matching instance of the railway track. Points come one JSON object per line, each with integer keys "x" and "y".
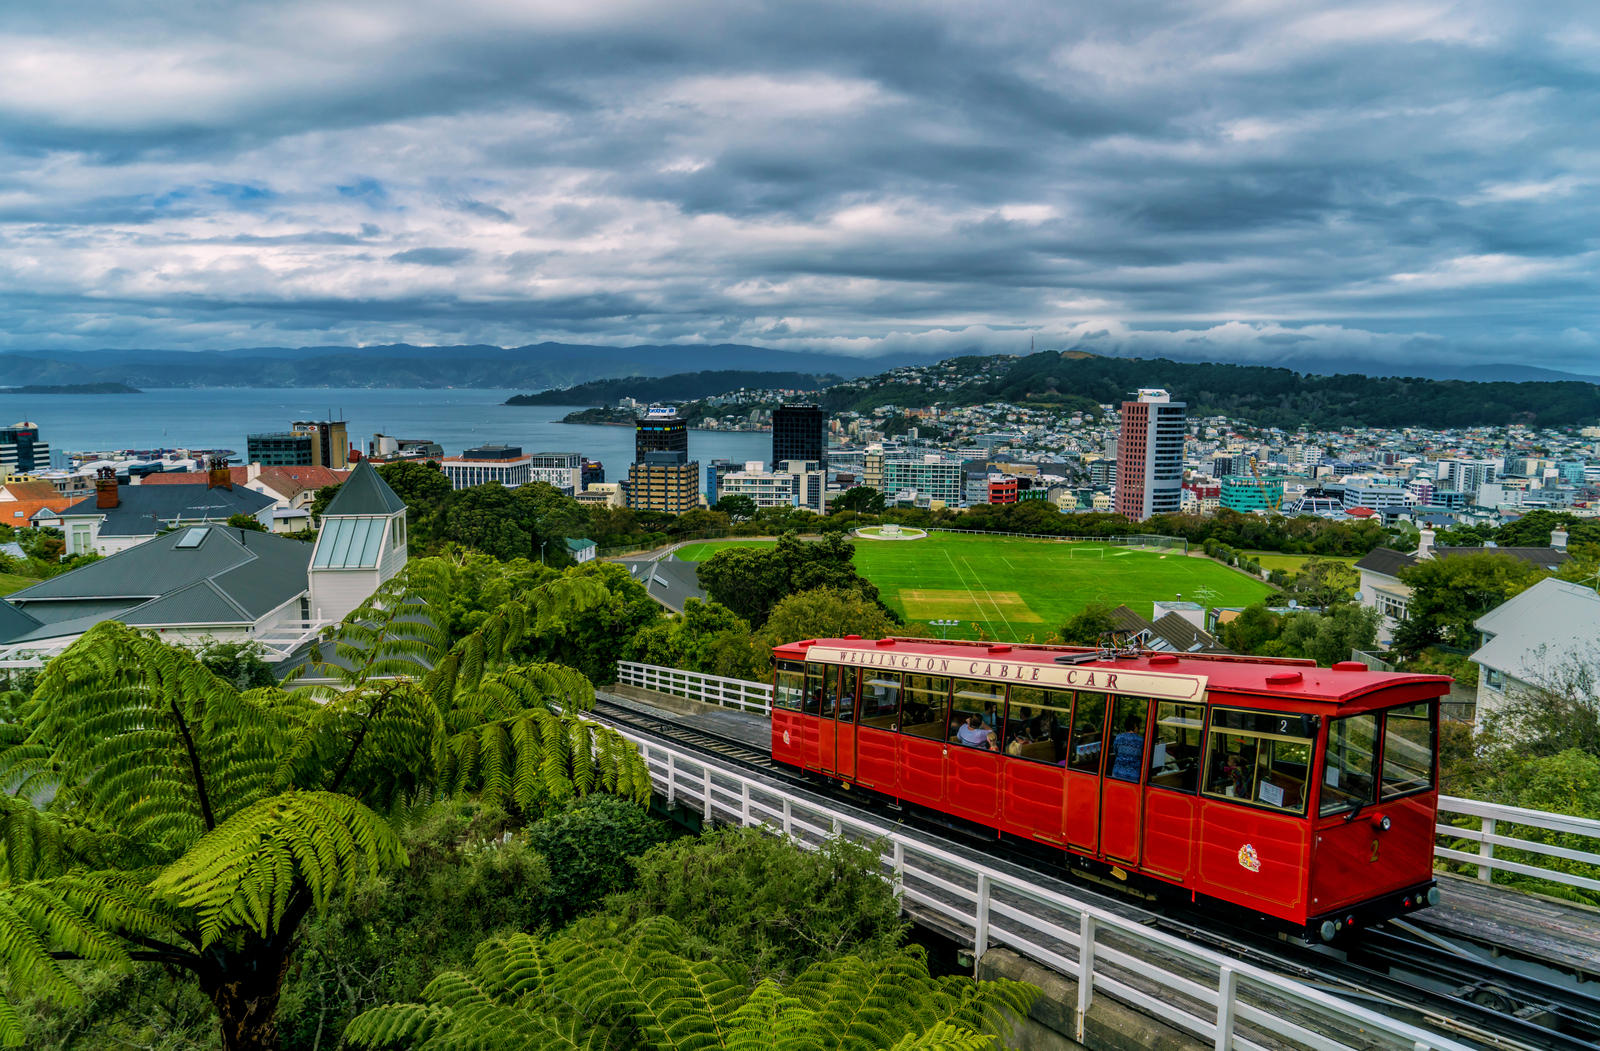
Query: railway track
{"x": 1391, "y": 969}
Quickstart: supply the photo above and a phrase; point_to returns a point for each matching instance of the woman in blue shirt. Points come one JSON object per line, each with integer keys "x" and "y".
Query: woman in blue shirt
{"x": 1127, "y": 751}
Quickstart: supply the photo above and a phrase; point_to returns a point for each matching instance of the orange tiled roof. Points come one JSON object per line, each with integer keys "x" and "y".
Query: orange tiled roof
{"x": 291, "y": 481}
{"x": 239, "y": 475}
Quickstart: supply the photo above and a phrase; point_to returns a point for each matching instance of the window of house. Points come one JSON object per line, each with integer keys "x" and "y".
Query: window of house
{"x": 1348, "y": 764}
{"x": 1260, "y": 758}
{"x": 1408, "y": 749}
{"x": 1494, "y": 678}
{"x": 923, "y": 702}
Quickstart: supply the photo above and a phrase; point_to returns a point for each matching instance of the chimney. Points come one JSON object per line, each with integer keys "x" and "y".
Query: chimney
{"x": 1425, "y": 544}
{"x": 218, "y": 474}
{"x": 1558, "y": 539}
{"x": 105, "y": 488}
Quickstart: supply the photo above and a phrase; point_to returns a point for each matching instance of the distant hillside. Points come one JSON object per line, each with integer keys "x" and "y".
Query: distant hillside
{"x": 686, "y": 386}
{"x": 1271, "y": 397}
{"x": 72, "y": 388}
{"x": 530, "y": 368}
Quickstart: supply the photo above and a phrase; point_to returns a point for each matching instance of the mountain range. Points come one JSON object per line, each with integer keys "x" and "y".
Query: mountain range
{"x": 541, "y": 366}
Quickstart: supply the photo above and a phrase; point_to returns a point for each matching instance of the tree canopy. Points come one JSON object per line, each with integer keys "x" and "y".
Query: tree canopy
{"x": 1449, "y": 594}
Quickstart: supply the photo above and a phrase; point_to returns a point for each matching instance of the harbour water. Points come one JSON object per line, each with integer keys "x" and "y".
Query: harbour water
{"x": 212, "y": 418}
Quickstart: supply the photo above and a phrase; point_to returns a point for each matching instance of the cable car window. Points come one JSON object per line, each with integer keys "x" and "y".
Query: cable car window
{"x": 977, "y": 714}
{"x": 1175, "y": 747}
{"x": 1127, "y": 742}
{"x": 1347, "y": 763}
{"x": 1088, "y": 727}
{"x": 1037, "y": 723}
{"x": 819, "y": 695}
{"x": 790, "y": 686}
{"x": 847, "y": 695}
{"x": 1259, "y": 766}
{"x": 1408, "y": 749}
{"x": 924, "y": 700}
{"x": 880, "y": 699}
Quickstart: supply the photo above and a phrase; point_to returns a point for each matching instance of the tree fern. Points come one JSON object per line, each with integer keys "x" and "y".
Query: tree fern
{"x": 635, "y": 989}
{"x": 195, "y": 825}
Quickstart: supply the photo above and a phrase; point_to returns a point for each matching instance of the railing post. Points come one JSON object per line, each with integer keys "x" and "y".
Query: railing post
{"x": 980, "y": 929}
{"x": 1227, "y": 989}
{"x": 1486, "y": 851}
{"x": 744, "y": 801}
{"x": 1085, "y": 970}
{"x": 899, "y": 883}
{"x": 672, "y": 780}
{"x": 707, "y": 790}
{"x": 788, "y": 820}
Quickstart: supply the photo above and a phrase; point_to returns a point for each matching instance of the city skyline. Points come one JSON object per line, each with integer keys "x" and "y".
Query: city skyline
{"x": 1264, "y": 183}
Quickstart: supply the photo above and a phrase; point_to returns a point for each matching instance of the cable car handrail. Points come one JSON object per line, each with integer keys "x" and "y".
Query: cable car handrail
{"x": 1049, "y": 927}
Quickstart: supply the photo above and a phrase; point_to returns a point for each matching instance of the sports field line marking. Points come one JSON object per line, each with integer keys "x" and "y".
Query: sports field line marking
{"x": 977, "y": 607}
{"x": 974, "y": 595}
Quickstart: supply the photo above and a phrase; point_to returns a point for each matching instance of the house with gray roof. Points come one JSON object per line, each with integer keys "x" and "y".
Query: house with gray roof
{"x": 118, "y": 517}
{"x": 208, "y": 582}
{"x": 1545, "y": 639}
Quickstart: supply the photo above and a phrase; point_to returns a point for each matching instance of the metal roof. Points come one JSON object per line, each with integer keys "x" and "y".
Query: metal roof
{"x": 14, "y": 623}
{"x": 364, "y": 493}
{"x": 349, "y": 543}
{"x": 234, "y": 576}
{"x": 146, "y": 510}
{"x": 1536, "y": 632}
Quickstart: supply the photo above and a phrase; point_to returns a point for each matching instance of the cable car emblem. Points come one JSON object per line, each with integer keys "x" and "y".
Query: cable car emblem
{"x": 1249, "y": 859}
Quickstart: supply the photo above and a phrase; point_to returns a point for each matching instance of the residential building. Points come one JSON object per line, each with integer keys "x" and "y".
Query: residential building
{"x": 581, "y": 549}
{"x": 1382, "y": 589}
{"x": 20, "y": 501}
{"x": 562, "y": 470}
{"x": 206, "y": 582}
{"x": 1386, "y": 498}
{"x": 766, "y": 488}
{"x": 1002, "y": 489}
{"x": 937, "y": 477}
{"x": 503, "y": 464}
{"x": 603, "y": 494}
{"x": 22, "y": 451}
{"x": 118, "y": 517}
{"x": 1150, "y": 456}
{"x": 872, "y": 467}
{"x": 800, "y": 432}
{"x": 664, "y": 481}
{"x": 1246, "y": 493}
{"x": 660, "y": 429}
{"x": 294, "y": 489}
{"x": 1545, "y": 639}
{"x": 1467, "y": 475}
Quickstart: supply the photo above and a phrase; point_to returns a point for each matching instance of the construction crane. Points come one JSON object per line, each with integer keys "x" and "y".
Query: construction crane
{"x": 1274, "y": 501}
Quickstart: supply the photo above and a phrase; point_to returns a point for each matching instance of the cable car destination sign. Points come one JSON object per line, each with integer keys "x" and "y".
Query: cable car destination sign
{"x": 1023, "y": 673}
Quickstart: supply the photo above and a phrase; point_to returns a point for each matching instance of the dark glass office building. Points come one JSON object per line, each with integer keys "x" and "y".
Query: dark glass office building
{"x": 799, "y": 432}
{"x": 660, "y": 431}
{"x": 22, "y": 450}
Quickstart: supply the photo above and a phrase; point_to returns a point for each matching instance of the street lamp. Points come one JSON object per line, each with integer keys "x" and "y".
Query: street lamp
{"x": 944, "y": 626}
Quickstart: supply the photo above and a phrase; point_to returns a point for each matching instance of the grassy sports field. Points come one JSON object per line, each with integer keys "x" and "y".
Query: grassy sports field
{"x": 1016, "y": 588}
{"x": 1271, "y": 560}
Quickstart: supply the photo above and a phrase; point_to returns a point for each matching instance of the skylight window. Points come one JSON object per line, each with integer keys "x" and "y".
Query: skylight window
{"x": 349, "y": 543}
{"x": 192, "y": 537}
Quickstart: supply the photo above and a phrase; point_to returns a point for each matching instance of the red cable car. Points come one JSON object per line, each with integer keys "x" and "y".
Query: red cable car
{"x": 1302, "y": 793}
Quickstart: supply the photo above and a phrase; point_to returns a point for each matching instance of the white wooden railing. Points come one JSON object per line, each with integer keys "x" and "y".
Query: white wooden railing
{"x": 757, "y": 697}
{"x": 1492, "y": 816}
{"x": 1216, "y": 998}
{"x": 742, "y": 694}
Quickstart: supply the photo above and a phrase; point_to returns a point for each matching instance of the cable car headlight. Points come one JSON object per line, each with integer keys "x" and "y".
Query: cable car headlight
{"x": 1383, "y": 823}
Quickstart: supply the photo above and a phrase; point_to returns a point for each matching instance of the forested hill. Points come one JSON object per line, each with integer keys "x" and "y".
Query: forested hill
{"x": 685, "y": 386}
{"x": 1280, "y": 398}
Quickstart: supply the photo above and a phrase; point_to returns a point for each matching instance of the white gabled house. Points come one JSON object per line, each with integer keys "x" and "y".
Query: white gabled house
{"x": 361, "y": 543}
{"x": 1547, "y": 637}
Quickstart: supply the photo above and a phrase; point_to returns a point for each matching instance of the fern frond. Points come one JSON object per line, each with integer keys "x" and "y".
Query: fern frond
{"x": 245, "y": 872}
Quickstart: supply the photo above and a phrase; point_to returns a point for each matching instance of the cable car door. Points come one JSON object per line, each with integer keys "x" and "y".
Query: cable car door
{"x": 1085, "y": 753}
{"x": 822, "y": 687}
{"x": 844, "y": 762}
{"x": 1121, "y": 798}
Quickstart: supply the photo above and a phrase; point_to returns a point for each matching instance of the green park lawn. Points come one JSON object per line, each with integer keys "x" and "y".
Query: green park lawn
{"x": 10, "y": 582}
{"x": 1271, "y": 560}
{"x": 1016, "y": 588}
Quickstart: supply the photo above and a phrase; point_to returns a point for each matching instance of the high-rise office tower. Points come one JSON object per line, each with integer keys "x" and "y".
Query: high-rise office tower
{"x": 800, "y": 432}
{"x": 660, "y": 430}
{"x": 1150, "y": 456}
{"x": 22, "y": 450}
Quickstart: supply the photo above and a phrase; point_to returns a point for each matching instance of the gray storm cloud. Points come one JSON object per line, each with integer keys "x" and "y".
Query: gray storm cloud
{"x": 1250, "y": 180}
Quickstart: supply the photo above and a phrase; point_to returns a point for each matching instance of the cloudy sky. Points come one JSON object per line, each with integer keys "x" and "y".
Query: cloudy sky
{"x": 1247, "y": 180}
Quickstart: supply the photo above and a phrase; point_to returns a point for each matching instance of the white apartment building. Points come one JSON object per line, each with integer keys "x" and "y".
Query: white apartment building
{"x": 562, "y": 470}
{"x": 505, "y": 464}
